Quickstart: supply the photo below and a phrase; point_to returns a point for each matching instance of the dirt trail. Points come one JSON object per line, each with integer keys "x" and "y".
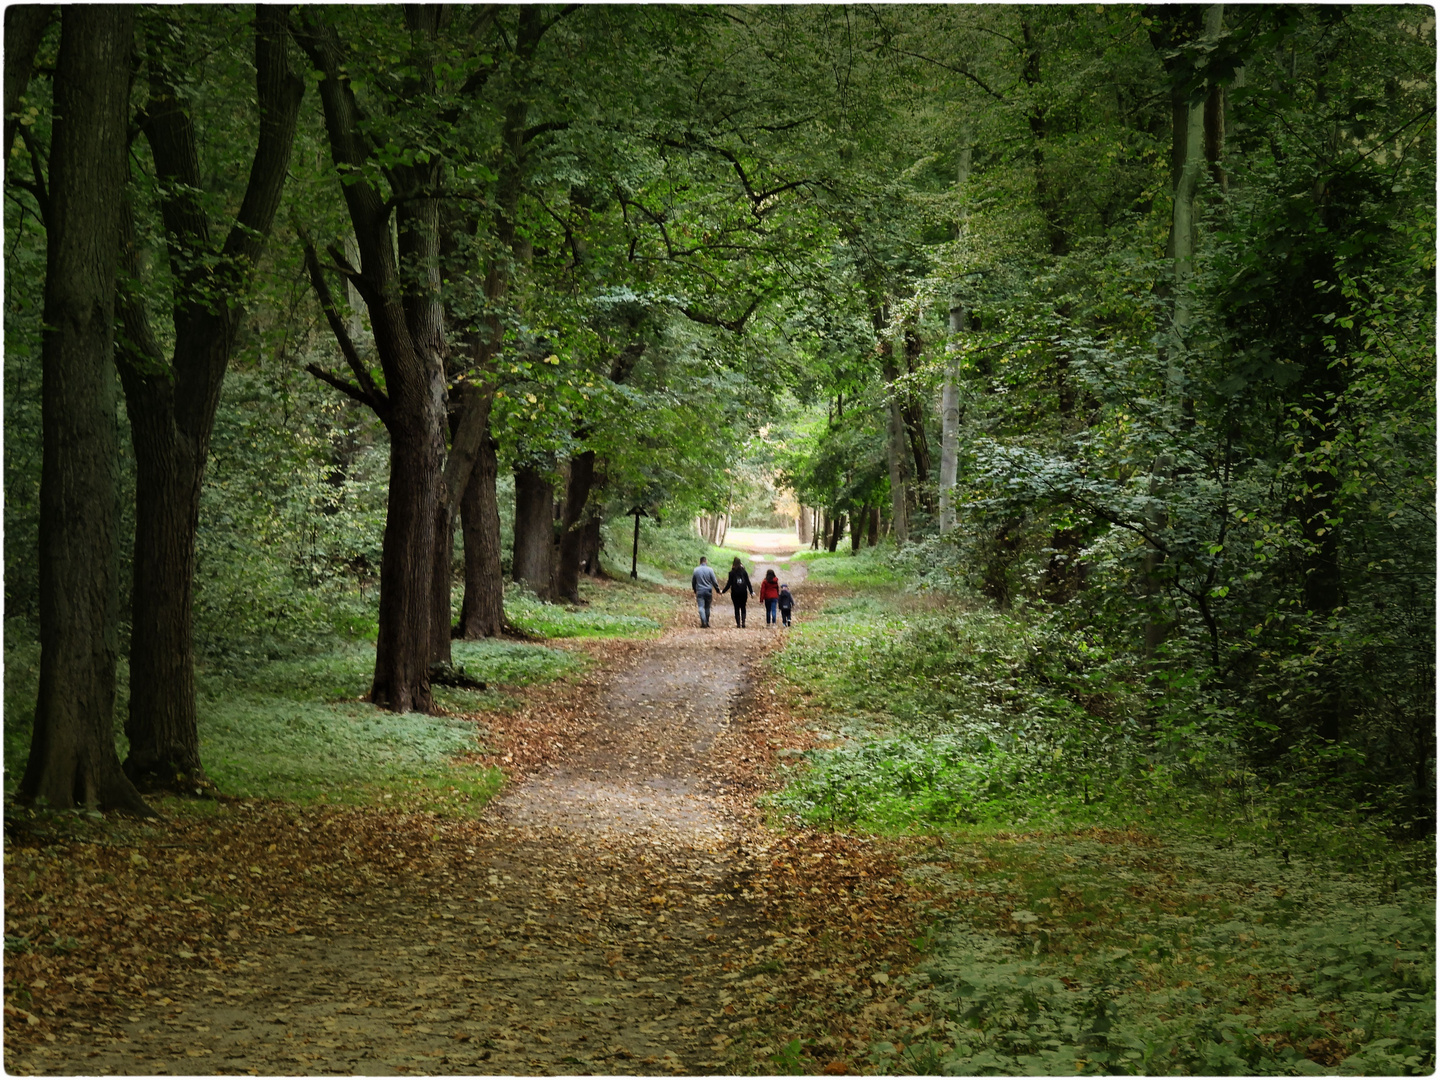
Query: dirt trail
{"x": 596, "y": 924}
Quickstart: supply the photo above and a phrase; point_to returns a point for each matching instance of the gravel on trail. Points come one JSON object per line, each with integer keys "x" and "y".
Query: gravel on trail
{"x": 592, "y": 920}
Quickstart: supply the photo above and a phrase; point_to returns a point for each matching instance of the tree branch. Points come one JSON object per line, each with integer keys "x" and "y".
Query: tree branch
{"x": 734, "y": 325}
{"x": 366, "y": 391}
{"x": 349, "y": 389}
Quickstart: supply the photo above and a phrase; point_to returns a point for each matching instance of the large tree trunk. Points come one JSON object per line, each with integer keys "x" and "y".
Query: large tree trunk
{"x": 591, "y": 541}
{"x": 872, "y": 534}
{"x": 572, "y": 523}
{"x": 591, "y": 538}
{"x": 532, "y": 560}
{"x": 407, "y": 565}
{"x": 72, "y": 749}
{"x": 442, "y": 585}
{"x": 172, "y": 405}
{"x": 804, "y": 526}
{"x": 400, "y": 279}
{"x": 161, "y": 724}
{"x": 482, "y": 613}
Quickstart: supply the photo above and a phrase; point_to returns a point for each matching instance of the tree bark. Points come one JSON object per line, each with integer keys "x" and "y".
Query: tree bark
{"x": 914, "y": 417}
{"x": 482, "y": 614}
{"x": 872, "y": 535}
{"x": 532, "y": 562}
{"x": 803, "y": 526}
{"x": 573, "y": 519}
{"x": 72, "y": 759}
{"x": 172, "y": 405}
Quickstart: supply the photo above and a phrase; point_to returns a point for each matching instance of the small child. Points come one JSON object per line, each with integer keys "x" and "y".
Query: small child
{"x": 787, "y": 604}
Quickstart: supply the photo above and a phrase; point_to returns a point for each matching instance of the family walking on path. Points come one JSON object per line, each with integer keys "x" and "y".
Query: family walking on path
{"x": 775, "y": 595}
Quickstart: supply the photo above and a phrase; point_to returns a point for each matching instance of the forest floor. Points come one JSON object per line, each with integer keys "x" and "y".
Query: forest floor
{"x": 618, "y": 909}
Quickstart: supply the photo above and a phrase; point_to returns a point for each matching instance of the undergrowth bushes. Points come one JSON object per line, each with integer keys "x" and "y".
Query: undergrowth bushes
{"x": 1236, "y": 918}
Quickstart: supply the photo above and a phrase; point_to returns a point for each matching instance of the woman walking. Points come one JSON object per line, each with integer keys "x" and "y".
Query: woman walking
{"x": 739, "y": 588}
{"x": 770, "y": 593}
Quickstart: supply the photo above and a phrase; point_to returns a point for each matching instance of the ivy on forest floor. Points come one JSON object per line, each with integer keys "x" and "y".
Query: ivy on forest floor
{"x": 1102, "y": 951}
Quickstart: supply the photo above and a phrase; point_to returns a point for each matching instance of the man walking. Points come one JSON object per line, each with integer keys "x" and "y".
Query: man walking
{"x": 704, "y": 584}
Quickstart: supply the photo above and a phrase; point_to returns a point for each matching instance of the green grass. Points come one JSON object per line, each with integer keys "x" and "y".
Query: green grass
{"x": 296, "y": 729}
{"x": 867, "y": 567}
{"x": 525, "y": 612}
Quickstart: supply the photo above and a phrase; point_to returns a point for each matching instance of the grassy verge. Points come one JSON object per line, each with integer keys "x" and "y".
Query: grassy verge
{"x": 868, "y": 567}
{"x": 297, "y": 729}
{"x": 613, "y": 609}
{"x": 1111, "y": 902}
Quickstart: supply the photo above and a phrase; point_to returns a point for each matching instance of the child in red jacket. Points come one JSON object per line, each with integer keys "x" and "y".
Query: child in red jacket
{"x": 770, "y": 593}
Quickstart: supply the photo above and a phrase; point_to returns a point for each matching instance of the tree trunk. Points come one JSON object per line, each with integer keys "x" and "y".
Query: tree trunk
{"x": 872, "y": 536}
{"x": 400, "y": 279}
{"x": 442, "y": 582}
{"x": 950, "y": 389}
{"x": 161, "y": 725}
{"x": 898, "y": 512}
{"x": 914, "y": 417}
{"x": 591, "y": 540}
{"x": 572, "y": 524}
{"x": 533, "y": 560}
{"x": 482, "y": 614}
{"x": 950, "y": 416}
{"x": 856, "y": 530}
{"x": 25, "y": 26}
{"x": 407, "y": 566}
{"x": 833, "y": 534}
{"x": 804, "y": 526}
{"x": 72, "y": 748}
{"x": 1186, "y": 159}
{"x": 172, "y": 405}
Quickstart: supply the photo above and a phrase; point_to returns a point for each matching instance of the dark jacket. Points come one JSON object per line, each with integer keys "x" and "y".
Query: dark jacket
{"x": 787, "y": 602}
{"x": 739, "y": 580}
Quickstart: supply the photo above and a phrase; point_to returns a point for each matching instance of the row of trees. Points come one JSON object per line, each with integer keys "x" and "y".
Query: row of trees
{"x": 1131, "y": 307}
{"x": 1170, "y": 273}
{"x": 528, "y": 241}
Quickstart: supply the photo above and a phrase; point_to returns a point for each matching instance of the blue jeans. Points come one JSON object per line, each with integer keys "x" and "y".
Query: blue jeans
{"x": 702, "y": 601}
{"x": 770, "y": 607}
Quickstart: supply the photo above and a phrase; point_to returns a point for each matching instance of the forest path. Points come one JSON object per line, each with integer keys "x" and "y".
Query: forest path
{"x": 593, "y": 920}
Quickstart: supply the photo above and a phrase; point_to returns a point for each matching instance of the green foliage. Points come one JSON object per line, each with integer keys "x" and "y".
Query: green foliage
{"x": 1101, "y": 957}
{"x": 669, "y": 552}
{"x": 288, "y": 551}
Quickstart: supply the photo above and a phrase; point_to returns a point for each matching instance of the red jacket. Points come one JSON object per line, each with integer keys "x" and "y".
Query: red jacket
{"x": 769, "y": 589}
